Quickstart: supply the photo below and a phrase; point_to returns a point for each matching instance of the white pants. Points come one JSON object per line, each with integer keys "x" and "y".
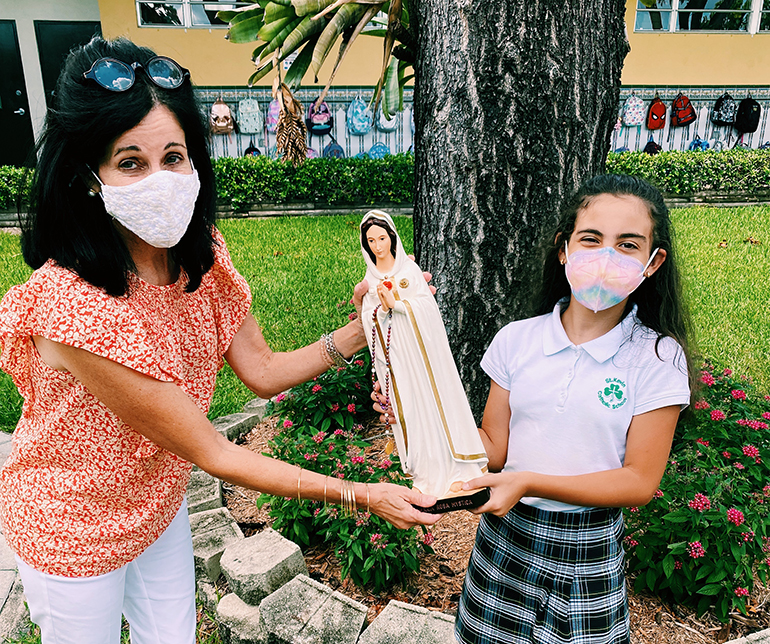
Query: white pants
{"x": 156, "y": 593}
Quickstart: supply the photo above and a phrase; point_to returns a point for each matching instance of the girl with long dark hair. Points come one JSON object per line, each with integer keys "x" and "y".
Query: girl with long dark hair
{"x": 583, "y": 403}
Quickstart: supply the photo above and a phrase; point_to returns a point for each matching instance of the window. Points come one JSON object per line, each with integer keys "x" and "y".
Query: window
{"x": 184, "y": 13}
{"x": 703, "y": 15}
{"x": 764, "y": 18}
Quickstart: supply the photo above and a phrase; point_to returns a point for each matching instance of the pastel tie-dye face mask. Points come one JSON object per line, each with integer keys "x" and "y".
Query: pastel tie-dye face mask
{"x": 601, "y": 278}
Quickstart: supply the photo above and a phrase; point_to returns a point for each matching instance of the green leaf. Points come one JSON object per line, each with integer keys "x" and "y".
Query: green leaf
{"x": 710, "y": 589}
{"x": 326, "y": 424}
{"x": 668, "y": 565}
{"x": 704, "y": 571}
{"x": 651, "y": 578}
{"x": 246, "y": 30}
{"x": 356, "y": 548}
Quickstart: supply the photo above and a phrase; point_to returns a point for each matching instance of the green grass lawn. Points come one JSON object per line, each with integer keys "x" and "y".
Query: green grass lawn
{"x": 302, "y": 271}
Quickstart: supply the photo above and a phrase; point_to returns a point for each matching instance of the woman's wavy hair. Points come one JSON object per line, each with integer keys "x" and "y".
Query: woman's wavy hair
{"x": 70, "y": 227}
{"x": 659, "y": 301}
{"x": 373, "y": 221}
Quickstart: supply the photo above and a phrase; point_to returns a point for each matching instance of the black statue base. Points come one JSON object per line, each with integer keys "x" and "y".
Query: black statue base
{"x": 460, "y": 502}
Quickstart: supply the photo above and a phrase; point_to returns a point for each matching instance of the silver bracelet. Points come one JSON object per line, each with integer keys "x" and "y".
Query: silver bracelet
{"x": 327, "y": 340}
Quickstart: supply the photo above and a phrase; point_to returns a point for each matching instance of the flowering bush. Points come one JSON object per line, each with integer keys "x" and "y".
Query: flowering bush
{"x": 704, "y": 533}
{"x": 321, "y": 434}
{"x": 338, "y": 398}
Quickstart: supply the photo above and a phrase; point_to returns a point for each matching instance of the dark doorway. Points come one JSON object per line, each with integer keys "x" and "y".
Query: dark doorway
{"x": 55, "y": 39}
{"x": 16, "y": 138}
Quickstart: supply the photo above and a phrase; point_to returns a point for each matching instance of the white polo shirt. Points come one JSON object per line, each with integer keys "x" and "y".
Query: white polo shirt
{"x": 571, "y": 405}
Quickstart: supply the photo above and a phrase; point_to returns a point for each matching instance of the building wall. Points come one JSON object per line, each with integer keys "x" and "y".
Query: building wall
{"x": 25, "y": 14}
{"x": 215, "y": 62}
{"x": 693, "y": 59}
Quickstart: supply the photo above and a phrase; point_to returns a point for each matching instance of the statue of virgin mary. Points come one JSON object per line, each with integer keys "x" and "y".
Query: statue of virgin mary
{"x": 435, "y": 434}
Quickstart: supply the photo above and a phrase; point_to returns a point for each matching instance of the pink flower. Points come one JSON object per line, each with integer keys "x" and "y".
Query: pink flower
{"x": 316, "y": 388}
{"x": 695, "y": 549}
{"x": 339, "y": 432}
{"x": 335, "y": 407}
{"x": 747, "y": 536}
{"x": 735, "y": 516}
{"x": 742, "y": 592}
{"x": 280, "y": 398}
{"x": 700, "y": 441}
{"x": 658, "y": 493}
{"x": 428, "y": 538}
{"x": 311, "y": 457}
{"x": 374, "y": 538}
{"x": 359, "y": 363}
{"x": 766, "y": 415}
{"x": 357, "y": 460}
{"x": 701, "y": 404}
{"x": 353, "y": 316}
{"x": 287, "y": 424}
{"x": 738, "y": 394}
{"x": 363, "y": 518}
{"x": 766, "y": 490}
{"x": 630, "y": 542}
{"x": 319, "y": 437}
{"x": 739, "y": 466}
{"x": 677, "y": 565}
{"x": 707, "y": 379}
{"x": 369, "y": 470}
{"x": 700, "y": 503}
{"x": 727, "y": 455}
{"x": 330, "y": 448}
{"x": 352, "y": 408}
{"x": 385, "y": 464}
{"x": 750, "y": 451}
{"x": 727, "y": 372}
{"x": 757, "y": 424}
{"x": 717, "y": 414}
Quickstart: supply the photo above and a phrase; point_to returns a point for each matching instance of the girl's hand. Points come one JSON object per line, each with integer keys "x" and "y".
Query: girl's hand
{"x": 379, "y": 406}
{"x": 507, "y": 488}
{"x": 394, "y": 503}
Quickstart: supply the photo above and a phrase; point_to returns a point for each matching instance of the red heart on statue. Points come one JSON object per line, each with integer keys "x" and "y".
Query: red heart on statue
{"x": 388, "y": 285}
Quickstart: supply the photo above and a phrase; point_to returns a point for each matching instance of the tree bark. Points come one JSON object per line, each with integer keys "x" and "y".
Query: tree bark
{"x": 514, "y": 106}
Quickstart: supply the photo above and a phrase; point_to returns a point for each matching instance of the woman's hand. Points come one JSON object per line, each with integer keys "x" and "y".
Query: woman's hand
{"x": 394, "y": 503}
{"x": 387, "y": 299}
{"x": 506, "y": 488}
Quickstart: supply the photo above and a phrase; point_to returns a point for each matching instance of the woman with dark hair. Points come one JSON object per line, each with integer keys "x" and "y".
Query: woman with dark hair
{"x": 115, "y": 342}
{"x": 583, "y": 403}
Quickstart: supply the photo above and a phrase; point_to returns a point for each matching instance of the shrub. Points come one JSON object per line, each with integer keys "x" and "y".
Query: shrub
{"x": 11, "y": 183}
{"x": 704, "y": 533}
{"x": 683, "y": 173}
{"x": 320, "y": 433}
{"x": 248, "y": 180}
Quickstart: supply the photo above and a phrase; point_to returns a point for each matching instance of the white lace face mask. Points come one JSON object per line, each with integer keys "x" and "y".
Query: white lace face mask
{"x": 157, "y": 209}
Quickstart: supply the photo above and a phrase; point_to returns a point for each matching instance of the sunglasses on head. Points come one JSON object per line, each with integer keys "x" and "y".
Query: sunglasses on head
{"x": 117, "y": 76}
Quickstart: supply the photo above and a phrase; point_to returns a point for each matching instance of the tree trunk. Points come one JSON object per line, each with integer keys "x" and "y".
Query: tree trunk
{"x": 514, "y": 106}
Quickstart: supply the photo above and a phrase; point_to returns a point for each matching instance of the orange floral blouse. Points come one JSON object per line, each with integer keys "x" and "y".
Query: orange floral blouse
{"x": 82, "y": 493}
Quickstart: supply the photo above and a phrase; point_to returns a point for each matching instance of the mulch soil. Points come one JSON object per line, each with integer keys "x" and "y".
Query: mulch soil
{"x": 438, "y": 584}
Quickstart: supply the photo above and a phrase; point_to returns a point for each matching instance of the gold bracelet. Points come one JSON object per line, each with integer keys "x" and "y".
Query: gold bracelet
{"x": 325, "y": 353}
{"x": 299, "y": 479}
{"x": 336, "y": 358}
{"x": 348, "y": 498}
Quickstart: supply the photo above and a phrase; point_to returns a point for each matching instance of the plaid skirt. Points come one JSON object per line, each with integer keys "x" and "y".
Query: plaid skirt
{"x": 546, "y": 577}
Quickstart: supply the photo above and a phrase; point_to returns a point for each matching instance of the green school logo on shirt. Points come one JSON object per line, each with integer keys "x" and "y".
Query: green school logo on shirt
{"x": 613, "y": 394}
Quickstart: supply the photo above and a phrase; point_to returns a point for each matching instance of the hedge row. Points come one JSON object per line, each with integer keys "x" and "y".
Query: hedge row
{"x": 259, "y": 180}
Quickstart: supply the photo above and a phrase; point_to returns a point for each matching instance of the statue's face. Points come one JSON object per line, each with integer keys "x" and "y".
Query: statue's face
{"x": 379, "y": 242}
